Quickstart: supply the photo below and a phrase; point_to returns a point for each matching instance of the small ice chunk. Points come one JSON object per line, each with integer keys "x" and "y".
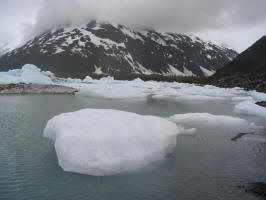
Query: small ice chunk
{"x": 108, "y": 90}
{"x": 107, "y": 79}
{"x": 137, "y": 80}
{"x": 73, "y": 80}
{"x": 106, "y": 142}
{"x": 250, "y": 108}
{"x": 184, "y": 131}
{"x": 87, "y": 79}
{"x": 258, "y": 96}
{"x": 48, "y": 73}
{"x": 207, "y": 119}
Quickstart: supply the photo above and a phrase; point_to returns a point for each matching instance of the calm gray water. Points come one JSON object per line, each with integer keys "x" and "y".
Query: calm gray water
{"x": 207, "y": 165}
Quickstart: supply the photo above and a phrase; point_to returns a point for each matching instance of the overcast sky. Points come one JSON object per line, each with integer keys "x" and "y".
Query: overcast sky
{"x": 235, "y": 23}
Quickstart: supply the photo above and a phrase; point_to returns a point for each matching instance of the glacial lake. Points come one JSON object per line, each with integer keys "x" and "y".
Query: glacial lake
{"x": 205, "y": 165}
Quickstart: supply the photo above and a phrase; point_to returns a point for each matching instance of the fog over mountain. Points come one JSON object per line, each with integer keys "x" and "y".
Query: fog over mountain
{"x": 235, "y": 23}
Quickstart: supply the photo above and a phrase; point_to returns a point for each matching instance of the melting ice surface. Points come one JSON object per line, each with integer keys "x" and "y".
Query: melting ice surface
{"x": 250, "y": 108}
{"x": 106, "y": 142}
{"x": 211, "y": 120}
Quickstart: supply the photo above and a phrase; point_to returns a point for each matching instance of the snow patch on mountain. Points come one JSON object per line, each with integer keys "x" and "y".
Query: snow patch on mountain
{"x": 118, "y": 49}
{"x": 207, "y": 72}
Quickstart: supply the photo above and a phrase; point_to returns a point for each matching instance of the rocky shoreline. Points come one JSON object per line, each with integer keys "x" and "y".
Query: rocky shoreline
{"x": 23, "y": 88}
{"x": 247, "y": 81}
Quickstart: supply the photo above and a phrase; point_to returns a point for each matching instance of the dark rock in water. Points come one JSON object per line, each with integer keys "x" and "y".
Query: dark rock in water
{"x": 246, "y": 81}
{"x": 23, "y": 88}
{"x": 238, "y": 136}
{"x": 262, "y": 103}
{"x": 258, "y": 189}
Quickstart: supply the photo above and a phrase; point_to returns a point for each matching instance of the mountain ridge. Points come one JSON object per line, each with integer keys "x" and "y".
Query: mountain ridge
{"x": 252, "y": 60}
{"x": 247, "y": 70}
{"x": 106, "y": 48}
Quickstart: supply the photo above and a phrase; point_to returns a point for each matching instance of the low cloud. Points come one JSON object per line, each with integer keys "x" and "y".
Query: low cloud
{"x": 176, "y": 15}
{"x": 204, "y": 17}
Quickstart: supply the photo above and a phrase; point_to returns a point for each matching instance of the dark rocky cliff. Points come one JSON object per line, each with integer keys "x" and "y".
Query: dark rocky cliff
{"x": 252, "y": 60}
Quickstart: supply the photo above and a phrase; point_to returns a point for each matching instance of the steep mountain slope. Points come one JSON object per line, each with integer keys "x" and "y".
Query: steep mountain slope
{"x": 253, "y": 60}
{"x": 248, "y": 70}
{"x": 116, "y": 49}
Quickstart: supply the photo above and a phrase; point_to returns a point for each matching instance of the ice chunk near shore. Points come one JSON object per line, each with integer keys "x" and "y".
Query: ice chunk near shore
{"x": 108, "y": 88}
{"x": 27, "y": 74}
{"x": 107, "y": 79}
{"x": 73, "y": 80}
{"x": 112, "y": 91}
{"x": 87, "y": 79}
{"x": 137, "y": 81}
{"x": 210, "y": 120}
{"x": 106, "y": 142}
{"x": 258, "y": 96}
{"x": 250, "y": 108}
{"x": 195, "y": 93}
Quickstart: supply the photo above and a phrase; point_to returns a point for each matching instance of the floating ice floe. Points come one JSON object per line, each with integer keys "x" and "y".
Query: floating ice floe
{"x": 209, "y": 120}
{"x": 250, "y": 108}
{"x": 112, "y": 91}
{"x": 107, "y": 79}
{"x": 72, "y": 80}
{"x": 87, "y": 79}
{"x": 191, "y": 92}
{"x": 106, "y": 142}
{"x": 27, "y": 74}
{"x": 109, "y": 88}
{"x": 258, "y": 96}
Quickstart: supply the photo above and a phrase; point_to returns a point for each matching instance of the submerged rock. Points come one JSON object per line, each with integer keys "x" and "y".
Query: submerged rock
{"x": 238, "y": 136}
{"x": 261, "y": 103}
{"x": 23, "y": 88}
{"x": 258, "y": 189}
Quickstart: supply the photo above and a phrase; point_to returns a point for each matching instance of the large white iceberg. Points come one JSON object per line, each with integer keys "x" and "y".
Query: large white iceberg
{"x": 27, "y": 74}
{"x": 105, "y": 142}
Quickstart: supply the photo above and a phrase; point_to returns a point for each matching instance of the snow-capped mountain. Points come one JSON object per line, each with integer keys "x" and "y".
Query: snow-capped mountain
{"x": 100, "y": 47}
